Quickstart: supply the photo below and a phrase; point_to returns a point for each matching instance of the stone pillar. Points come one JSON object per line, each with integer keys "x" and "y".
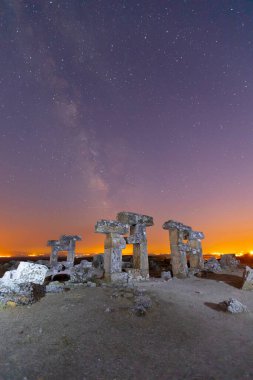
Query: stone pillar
{"x": 179, "y": 247}
{"x": 68, "y": 243}
{"x": 138, "y": 238}
{"x": 196, "y": 256}
{"x": 65, "y": 243}
{"x": 55, "y": 247}
{"x": 114, "y": 243}
{"x": 71, "y": 251}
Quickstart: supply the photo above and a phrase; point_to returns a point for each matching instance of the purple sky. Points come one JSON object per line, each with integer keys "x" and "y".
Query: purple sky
{"x": 114, "y": 105}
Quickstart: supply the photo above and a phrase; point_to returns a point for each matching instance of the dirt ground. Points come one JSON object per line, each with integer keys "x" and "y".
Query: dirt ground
{"x": 184, "y": 336}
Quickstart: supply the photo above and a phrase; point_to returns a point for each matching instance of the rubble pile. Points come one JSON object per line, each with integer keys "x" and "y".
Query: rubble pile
{"x": 212, "y": 265}
{"x": 229, "y": 262}
{"x": 24, "y": 285}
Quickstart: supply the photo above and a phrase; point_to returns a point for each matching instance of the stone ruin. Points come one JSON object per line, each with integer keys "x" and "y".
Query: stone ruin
{"x": 184, "y": 242}
{"x": 134, "y": 225}
{"x": 65, "y": 243}
{"x": 229, "y": 261}
{"x": 114, "y": 243}
{"x": 138, "y": 238}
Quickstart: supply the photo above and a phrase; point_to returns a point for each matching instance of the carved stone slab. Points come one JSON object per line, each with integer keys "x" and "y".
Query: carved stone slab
{"x": 132, "y": 218}
{"x": 104, "y": 226}
{"x": 172, "y": 224}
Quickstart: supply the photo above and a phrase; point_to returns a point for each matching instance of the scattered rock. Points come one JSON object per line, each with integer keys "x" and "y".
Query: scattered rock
{"x": 142, "y": 303}
{"x": 143, "y": 300}
{"x": 139, "y": 310}
{"x": 248, "y": 279}
{"x": 234, "y": 306}
{"x": 85, "y": 264}
{"x": 229, "y": 261}
{"x": 25, "y": 273}
{"x": 98, "y": 261}
{"x": 24, "y": 294}
{"x": 212, "y": 265}
{"x": 109, "y": 310}
{"x": 166, "y": 275}
{"x": 135, "y": 274}
{"x": 55, "y": 287}
{"x": 91, "y": 284}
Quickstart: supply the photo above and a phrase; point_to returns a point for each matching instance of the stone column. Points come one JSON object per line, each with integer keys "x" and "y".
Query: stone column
{"x": 68, "y": 243}
{"x": 178, "y": 234}
{"x": 71, "y": 251}
{"x": 114, "y": 243}
{"x": 196, "y": 256}
{"x": 138, "y": 238}
{"x": 55, "y": 247}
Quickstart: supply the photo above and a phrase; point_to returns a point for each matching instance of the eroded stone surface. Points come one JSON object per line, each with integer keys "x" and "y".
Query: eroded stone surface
{"x": 229, "y": 261}
{"x": 133, "y": 218}
{"x": 166, "y": 275}
{"x": 21, "y": 294}
{"x": 25, "y": 273}
{"x": 212, "y": 265}
{"x": 184, "y": 242}
{"x": 234, "y": 306}
{"x": 248, "y": 279}
{"x": 114, "y": 243}
{"x": 65, "y": 243}
{"x": 138, "y": 238}
{"x": 104, "y": 226}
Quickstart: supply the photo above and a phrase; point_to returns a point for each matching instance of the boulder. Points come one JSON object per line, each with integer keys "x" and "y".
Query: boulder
{"x": 98, "y": 261}
{"x": 212, "y": 265}
{"x": 81, "y": 275}
{"x": 229, "y": 261}
{"x": 166, "y": 275}
{"x": 55, "y": 287}
{"x": 25, "y": 273}
{"x": 234, "y": 306}
{"x": 85, "y": 264}
{"x": 248, "y": 279}
{"x": 23, "y": 294}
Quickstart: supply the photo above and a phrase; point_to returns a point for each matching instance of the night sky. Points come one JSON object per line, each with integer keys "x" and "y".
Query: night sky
{"x": 112, "y": 105}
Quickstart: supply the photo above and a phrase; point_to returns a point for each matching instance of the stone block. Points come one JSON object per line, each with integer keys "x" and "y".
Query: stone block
{"x": 172, "y": 224}
{"x": 104, "y": 226}
{"x": 132, "y": 218}
{"x": 25, "y": 273}
{"x": 229, "y": 261}
{"x": 234, "y": 306}
{"x": 248, "y": 279}
{"x": 196, "y": 235}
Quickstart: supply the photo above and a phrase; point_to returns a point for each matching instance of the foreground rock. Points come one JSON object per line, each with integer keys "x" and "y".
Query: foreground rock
{"x": 23, "y": 294}
{"x": 212, "y": 265}
{"x": 25, "y": 273}
{"x": 248, "y": 279}
{"x": 23, "y": 285}
{"x": 229, "y": 261}
{"x": 234, "y": 306}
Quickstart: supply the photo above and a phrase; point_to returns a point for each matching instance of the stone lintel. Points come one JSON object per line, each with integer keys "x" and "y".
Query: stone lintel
{"x": 132, "y": 218}
{"x": 66, "y": 239}
{"x": 105, "y": 226}
{"x": 196, "y": 235}
{"x": 54, "y": 243}
{"x": 172, "y": 225}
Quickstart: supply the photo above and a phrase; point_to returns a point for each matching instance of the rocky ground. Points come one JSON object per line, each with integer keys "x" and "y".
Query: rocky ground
{"x": 95, "y": 333}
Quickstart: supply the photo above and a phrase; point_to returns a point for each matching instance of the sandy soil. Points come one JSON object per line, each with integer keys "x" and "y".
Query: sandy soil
{"x": 184, "y": 336}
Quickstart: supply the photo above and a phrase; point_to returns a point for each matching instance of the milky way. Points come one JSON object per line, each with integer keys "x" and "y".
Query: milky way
{"x": 115, "y": 105}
